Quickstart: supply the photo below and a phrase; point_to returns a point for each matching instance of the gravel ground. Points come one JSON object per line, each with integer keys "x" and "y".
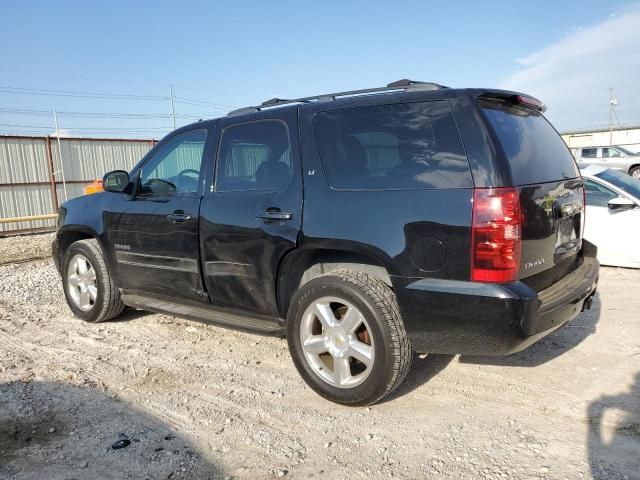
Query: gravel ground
{"x": 22, "y": 248}
{"x": 187, "y": 400}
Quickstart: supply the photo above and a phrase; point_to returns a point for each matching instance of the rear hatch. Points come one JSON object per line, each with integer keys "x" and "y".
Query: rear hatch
{"x": 549, "y": 184}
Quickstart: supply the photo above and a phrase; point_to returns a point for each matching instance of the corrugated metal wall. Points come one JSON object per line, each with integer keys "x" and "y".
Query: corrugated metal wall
{"x": 31, "y": 178}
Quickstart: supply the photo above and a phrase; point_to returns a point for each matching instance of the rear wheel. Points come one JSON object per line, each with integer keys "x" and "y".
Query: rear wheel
{"x": 635, "y": 172}
{"x": 347, "y": 339}
{"x": 88, "y": 285}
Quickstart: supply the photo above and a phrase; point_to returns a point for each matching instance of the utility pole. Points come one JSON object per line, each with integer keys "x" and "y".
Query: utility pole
{"x": 613, "y": 103}
{"x": 64, "y": 183}
{"x": 173, "y": 109}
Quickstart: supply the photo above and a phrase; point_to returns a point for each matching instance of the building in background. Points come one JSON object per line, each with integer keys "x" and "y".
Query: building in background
{"x": 626, "y": 136}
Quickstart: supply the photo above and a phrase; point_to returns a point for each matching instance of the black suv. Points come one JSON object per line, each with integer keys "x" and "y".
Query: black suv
{"x": 359, "y": 224}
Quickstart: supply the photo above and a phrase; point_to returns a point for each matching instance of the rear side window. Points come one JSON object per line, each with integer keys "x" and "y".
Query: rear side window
{"x": 536, "y": 152}
{"x": 402, "y": 146}
{"x": 589, "y": 152}
{"x": 254, "y": 156}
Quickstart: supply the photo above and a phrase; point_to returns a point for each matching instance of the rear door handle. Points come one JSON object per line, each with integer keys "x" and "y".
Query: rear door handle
{"x": 178, "y": 217}
{"x": 274, "y": 215}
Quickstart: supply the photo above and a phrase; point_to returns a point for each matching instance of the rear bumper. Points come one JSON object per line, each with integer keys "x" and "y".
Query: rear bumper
{"x": 444, "y": 316}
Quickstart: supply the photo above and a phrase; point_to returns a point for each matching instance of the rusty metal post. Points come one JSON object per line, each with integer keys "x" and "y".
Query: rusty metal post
{"x": 54, "y": 190}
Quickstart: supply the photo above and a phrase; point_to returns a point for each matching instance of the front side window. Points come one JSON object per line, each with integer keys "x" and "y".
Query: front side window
{"x": 598, "y": 195}
{"x": 589, "y": 152}
{"x": 254, "y": 156}
{"x": 401, "y": 146}
{"x": 175, "y": 167}
{"x": 610, "y": 152}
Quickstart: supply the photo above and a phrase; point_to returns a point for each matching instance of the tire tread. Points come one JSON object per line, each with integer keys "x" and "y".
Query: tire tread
{"x": 385, "y": 301}
{"x": 112, "y": 306}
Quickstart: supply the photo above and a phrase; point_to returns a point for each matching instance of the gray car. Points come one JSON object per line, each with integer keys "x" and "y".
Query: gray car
{"x": 615, "y": 157}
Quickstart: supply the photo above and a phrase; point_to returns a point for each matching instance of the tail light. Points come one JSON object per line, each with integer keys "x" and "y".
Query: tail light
{"x": 528, "y": 102}
{"x": 496, "y": 235}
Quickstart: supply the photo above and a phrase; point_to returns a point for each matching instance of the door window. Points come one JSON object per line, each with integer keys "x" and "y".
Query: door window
{"x": 598, "y": 195}
{"x": 589, "y": 152}
{"x": 254, "y": 156}
{"x": 610, "y": 152}
{"x": 175, "y": 167}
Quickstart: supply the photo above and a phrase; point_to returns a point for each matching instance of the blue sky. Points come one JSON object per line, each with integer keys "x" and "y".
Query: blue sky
{"x": 238, "y": 53}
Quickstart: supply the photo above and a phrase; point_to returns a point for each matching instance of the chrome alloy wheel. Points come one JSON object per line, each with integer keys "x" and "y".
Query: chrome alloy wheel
{"x": 337, "y": 342}
{"x": 636, "y": 173}
{"x": 81, "y": 283}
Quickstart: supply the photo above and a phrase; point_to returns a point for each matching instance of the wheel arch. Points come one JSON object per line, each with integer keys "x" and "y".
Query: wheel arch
{"x": 633, "y": 167}
{"x": 67, "y": 236}
{"x": 301, "y": 265}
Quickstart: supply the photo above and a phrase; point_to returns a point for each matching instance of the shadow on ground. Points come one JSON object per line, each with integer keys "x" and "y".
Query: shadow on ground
{"x": 58, "y": 431}
{"x": 423, "y": 369}
{"x": 614, "y": 435}
{"x": 129, "y": 314}
{"x": 550, "y": 347}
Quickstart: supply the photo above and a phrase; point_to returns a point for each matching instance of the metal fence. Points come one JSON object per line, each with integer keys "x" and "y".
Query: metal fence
{"x": 36, "y": 176}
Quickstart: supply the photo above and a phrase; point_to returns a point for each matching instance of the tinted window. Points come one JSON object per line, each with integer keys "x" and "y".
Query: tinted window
{"x": 536, "y": 152}
{"x": 254, "y": 156}
{"x": 622, "y": 181}
{"x": 597, "y": 194}
{"x": 175, "y": 167}
{"x": 402, "y": 146}
{"x": 589, "y": 152}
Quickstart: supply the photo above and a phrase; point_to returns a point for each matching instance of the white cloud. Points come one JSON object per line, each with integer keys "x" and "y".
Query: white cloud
{"x": 573, "y": 75}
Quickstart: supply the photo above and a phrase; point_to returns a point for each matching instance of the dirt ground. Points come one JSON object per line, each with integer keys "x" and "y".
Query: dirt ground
{"x": 186, "y": 400}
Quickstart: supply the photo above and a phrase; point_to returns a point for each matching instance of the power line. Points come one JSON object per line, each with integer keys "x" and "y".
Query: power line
{"x": 201, "y": 103}
{"x": 216, "y": 110}
{"x": 97, "y": 95}
{"x": 49, "y": 127}
{"x": 79, "y": 94}
{"x": 119, "y": 115}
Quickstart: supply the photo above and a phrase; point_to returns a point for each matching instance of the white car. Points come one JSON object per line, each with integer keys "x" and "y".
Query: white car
{"x": 612, "y": 215}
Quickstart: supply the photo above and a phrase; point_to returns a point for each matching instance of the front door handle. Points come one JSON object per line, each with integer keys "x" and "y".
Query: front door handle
{"x": 177, "y": 218}
{"x": 274, "y": 215}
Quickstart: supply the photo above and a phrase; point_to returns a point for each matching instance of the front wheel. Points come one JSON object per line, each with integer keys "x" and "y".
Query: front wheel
{"x": 635, "y": 172}
{"x": 347, "y": 338}
{"x": 88, "y": 285}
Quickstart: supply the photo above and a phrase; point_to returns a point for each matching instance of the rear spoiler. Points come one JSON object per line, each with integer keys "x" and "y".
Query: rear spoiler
{"x": 516, "y": 99}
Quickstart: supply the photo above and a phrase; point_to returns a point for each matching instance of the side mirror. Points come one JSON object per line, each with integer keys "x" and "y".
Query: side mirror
{"x": 116, "y": 181}
{"x": 621, "y": 203}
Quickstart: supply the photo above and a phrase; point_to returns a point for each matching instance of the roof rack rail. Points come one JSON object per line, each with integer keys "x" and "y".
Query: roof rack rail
{"x": 399, "y": 85}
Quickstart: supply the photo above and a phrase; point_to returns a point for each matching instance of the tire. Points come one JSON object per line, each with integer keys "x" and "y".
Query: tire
{"x": 635, "y": 172}
{"x": 88, "y": 285}
{"x": 361, "y": 365}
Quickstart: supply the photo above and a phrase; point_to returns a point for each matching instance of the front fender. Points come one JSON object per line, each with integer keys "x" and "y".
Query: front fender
{"x": 78, "y": 219}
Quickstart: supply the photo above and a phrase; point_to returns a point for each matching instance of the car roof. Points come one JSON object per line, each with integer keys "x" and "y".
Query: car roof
{"x": 398, "y": 91}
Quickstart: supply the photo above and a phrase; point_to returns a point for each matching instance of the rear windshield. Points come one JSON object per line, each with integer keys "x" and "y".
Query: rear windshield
{"x": 536, "y": 152}
{"x": 401, "y": 146}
